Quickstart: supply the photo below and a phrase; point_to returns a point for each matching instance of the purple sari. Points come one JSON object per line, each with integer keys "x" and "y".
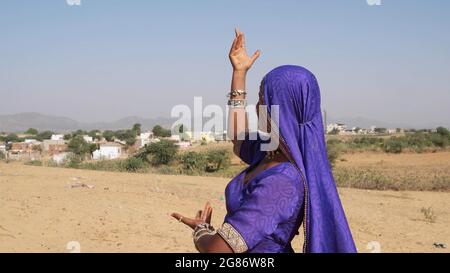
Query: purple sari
{"x": 264, "y": 214}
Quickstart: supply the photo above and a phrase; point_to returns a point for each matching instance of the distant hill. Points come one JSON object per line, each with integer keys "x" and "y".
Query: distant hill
{"x": 22, "y": 121}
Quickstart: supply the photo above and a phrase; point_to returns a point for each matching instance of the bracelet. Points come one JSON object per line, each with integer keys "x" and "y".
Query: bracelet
{"x": 237, "y": 103}
{"x": 235, "y": 93}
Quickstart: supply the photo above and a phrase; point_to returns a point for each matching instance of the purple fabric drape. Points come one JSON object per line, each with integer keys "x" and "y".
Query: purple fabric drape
{"x": 296, "y": 91}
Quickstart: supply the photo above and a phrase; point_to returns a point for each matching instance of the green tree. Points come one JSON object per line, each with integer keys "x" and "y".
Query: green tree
{"x": 12, "y": 138}
{"x": 129, "y": 136}
{"x": 79, "y": 147}
{"x": 162, "y": 152}
{"x": 443, "y": 131}
{"x": 108, "y": 135}
{"x": 31, "y": 131}
{"x": 380, "y": 130}
{"x": 137, "y": 128}
{"x": 44, "y": 135}
{"x": 159, "y": 131}
{"x": 95, "y": 134}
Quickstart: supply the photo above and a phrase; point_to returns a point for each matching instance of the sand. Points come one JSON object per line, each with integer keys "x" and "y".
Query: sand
{"x": 41, "y": 212}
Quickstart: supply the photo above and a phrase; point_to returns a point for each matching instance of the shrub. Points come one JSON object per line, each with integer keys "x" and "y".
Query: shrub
{"x": 162, "y": 152}
{"x": 193, "y": 162}
{"x": 393, "y": 145}
{"x": 217, "y": 159}
{"x": 133, "y": 164}
{"x": 333, "y": 151}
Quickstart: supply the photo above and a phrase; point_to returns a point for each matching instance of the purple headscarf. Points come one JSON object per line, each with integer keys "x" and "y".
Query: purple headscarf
{"x": 296, "y": 91}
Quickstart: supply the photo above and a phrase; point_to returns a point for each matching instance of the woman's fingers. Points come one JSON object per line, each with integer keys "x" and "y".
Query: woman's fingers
{"x": 187, "y": 221}
{"x": 209, "y": 216}
{"x": 199, "y": 215}
{"x": 255, "y": 56}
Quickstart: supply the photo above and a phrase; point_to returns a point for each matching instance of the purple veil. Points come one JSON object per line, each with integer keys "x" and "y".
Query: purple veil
{"x": 296, "y": 91}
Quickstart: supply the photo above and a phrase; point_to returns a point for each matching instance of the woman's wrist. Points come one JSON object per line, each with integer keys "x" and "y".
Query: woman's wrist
{"x": 240, "y": 72}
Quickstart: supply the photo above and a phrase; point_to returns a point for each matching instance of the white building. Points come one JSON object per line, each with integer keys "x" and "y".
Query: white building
{"x": 336, "y": 126}
{"x": 199, "y": 136}
{"x": 108, "y": 151}
{"x": 144, "y": 139}
{"x": 88, "y": 139}
{"x": 57, "y": 137}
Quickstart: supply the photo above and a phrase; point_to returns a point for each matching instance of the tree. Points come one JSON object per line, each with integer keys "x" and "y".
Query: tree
{"x": 95, "y": 134}
{"x": 31, "y": 131}
{"x": 67, "y": 136}
{"x": 44, "y": 135}
{"x": 137, "y": 128}
{"x": 162, "y": 152}
{"x": 12, "y": 138}
{"x": 159, "y": 131}
{"x": 129, "y": 136}
{"x": 79, "y": 147}
{"x": 443, "y": 131}
{"x": 380, "y": 130}
{"x": 108, "y": 135}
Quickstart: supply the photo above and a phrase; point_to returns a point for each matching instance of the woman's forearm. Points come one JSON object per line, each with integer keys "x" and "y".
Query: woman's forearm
{"x": 237, "y": 117}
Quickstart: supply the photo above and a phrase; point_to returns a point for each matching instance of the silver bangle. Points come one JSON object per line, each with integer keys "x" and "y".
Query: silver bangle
{"x": 235, "y": 93}
{"x": 237, "y": 103}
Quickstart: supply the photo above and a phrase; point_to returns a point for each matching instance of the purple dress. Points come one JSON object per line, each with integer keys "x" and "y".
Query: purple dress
{"x": 264, "y": 214}
{"x": 267, "y": 210}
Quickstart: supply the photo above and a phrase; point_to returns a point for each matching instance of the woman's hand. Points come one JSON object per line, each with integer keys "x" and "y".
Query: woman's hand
{"x": 203, "y": 216}
{"x": 238, "y": 55}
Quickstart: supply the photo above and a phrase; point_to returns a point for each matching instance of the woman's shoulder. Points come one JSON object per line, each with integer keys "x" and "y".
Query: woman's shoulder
{"x": 284, "y": 174}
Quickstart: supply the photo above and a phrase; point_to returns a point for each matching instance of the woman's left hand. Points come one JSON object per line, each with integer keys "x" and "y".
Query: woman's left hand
{"x": 202, "y": 216}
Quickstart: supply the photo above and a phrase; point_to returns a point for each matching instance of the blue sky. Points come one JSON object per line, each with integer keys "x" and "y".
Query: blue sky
{"x": 108, "y": 59}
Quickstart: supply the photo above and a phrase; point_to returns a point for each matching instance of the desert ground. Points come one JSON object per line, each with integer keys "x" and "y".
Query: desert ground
{"x": 43, "y": 209}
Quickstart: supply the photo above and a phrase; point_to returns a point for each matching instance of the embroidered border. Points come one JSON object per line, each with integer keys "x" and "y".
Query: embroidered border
{"x": 233, "y": 238}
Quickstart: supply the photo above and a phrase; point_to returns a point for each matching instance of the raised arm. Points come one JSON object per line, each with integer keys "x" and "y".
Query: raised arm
{"x": 241, "y": 62}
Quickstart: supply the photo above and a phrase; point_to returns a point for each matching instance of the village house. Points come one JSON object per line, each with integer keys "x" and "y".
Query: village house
{"x": 57, "y": 137}
{"x": 340, "y": 127}
{"x": 53, "y": 147}
{"x": 107, "y": 151}
{"x": 88, "y": 139}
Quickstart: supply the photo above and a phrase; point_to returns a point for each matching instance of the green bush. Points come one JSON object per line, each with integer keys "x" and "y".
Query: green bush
{"x": 333, "y": 151}
{"x": 193, "y": 162}
{"x": 217, "y": 159}
{"x": 133, "y": 164}
{"x": 393, "y": 145}
{"x": 158, "y": 153}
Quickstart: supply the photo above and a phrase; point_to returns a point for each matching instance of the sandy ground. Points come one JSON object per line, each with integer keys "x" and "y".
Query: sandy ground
{"x": 40, "y": 212}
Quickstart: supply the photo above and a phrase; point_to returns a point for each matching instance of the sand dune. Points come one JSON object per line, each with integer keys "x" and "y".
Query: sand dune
{"x": 43, "y": 209}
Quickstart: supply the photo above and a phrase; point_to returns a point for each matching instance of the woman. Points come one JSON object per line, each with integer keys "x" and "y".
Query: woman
{"x": 282, "y": 188}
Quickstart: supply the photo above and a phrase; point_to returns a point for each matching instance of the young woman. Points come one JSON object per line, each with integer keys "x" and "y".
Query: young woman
{"x": 283, "y": 188}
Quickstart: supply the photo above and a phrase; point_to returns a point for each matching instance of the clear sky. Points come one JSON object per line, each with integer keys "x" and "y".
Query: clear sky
{"x": 108, "y": 59}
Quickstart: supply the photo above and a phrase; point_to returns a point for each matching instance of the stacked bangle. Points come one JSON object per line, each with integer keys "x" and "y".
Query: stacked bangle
{"x": 235, "y": 93}
{"x": 237, "y": 103}
{"x": 202, "y": 230}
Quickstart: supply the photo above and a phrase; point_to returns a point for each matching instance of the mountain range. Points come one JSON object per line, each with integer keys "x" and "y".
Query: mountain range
{"x": 22, "y": 121}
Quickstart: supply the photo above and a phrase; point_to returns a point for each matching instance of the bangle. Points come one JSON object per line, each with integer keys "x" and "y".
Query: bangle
{"x": 237, "y": 103}
{"x": 235, "y": 93}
